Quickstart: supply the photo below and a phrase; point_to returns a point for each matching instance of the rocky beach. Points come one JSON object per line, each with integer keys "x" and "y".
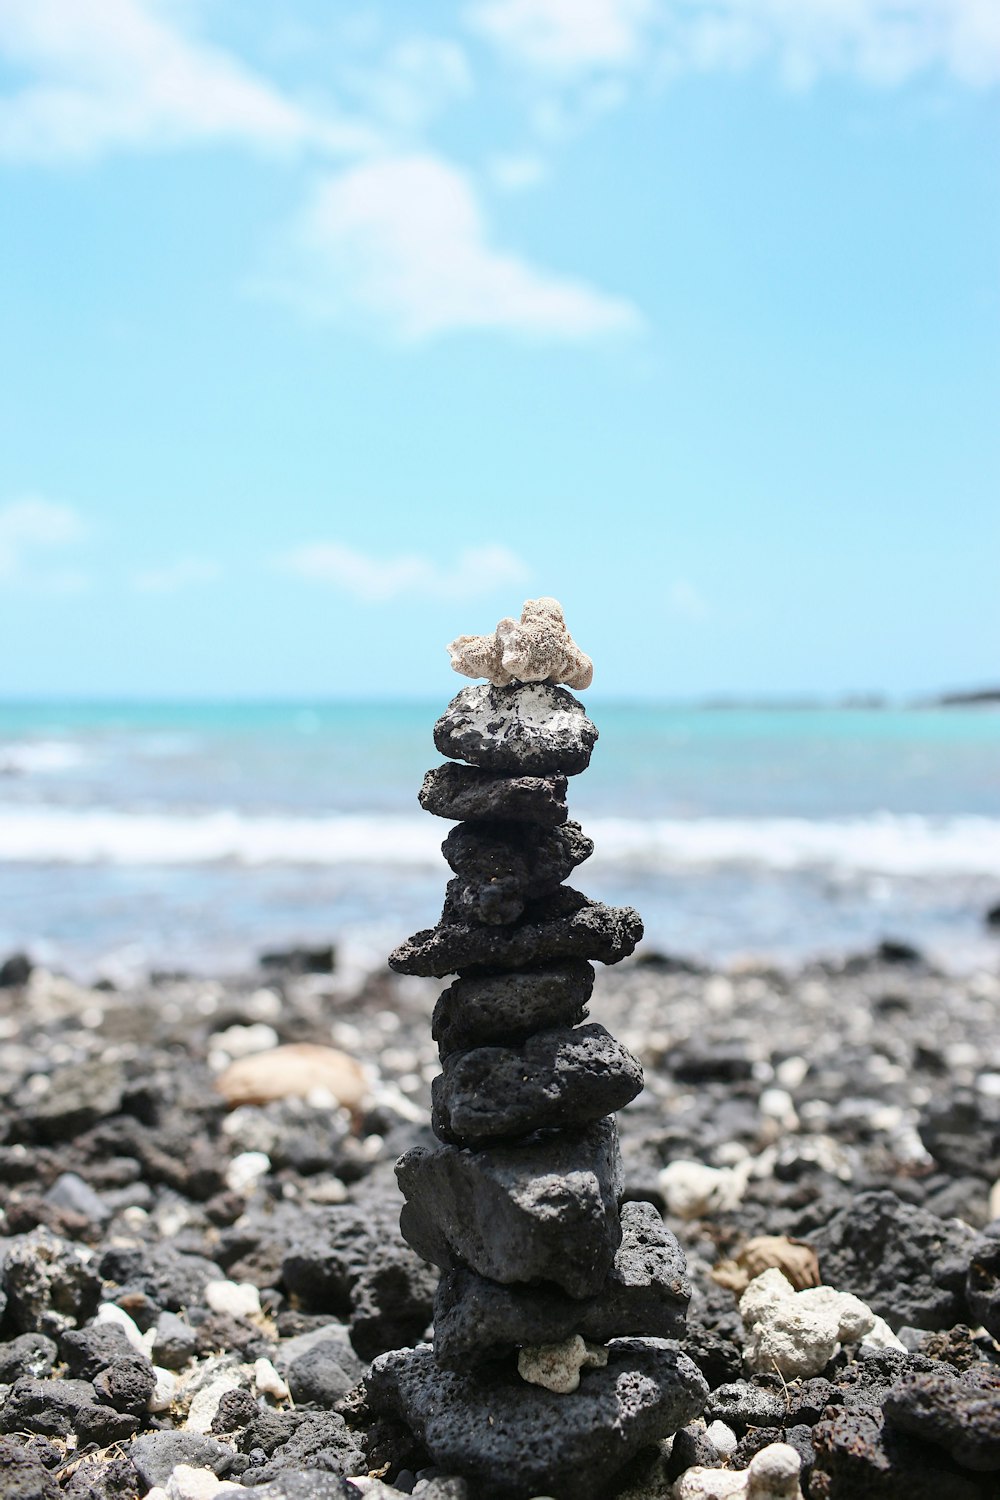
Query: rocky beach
{"x": 771, "y": 1272}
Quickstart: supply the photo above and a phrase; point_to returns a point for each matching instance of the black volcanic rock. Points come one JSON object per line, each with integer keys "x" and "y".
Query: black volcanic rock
{"x": 545, "y": 1210}
{"x": 559, "y": 1079}
{"x": 515, "y": 1440}
{"x": 534, "y": 859}
{"x": 960, "y": 1413}
{"x": 470, "y": 794}
{"x": 906, "y": 1263}
{"x": 587, "y": 929}
{"x": 511, "y": 1006}
{"x": 647, "y": 1292}
{"x": 528, "y": 729}
{"x": 982, "y": 1286}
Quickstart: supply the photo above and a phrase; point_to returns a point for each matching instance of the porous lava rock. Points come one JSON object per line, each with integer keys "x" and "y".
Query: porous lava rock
{"x": 482, "y": 1009}
{"x": 470, "y": 794}
{"x": 532, "y": 729}
{"x": 514, "y": 1440}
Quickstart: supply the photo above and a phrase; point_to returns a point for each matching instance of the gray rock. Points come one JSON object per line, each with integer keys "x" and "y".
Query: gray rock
{"x": 154, "y": 1455}
{"x": 582, "y": 929}
{"x": 319, "y": 1376}
{"x": 175, "y": 1343}
{"x": 78, "y": 1096}
{"x": 484, "y": 1009}
{"x": 28, "y": 1354}
{"x": 307, "y": 1484}
{"x": 982, "y": 1287}
{"x": 527, "y": 729}
{"x": 70, "y": 1191}
{"x": 543, "y": 1210}
{"x": 88, "y": 1351}
{"x": 514, "y": 1440}
{"x": 127, "y": 1384}
{"x": 501, "y": 865}
{"x": 57, "y": 1408}
{"x": 356, "y": 1264}
{"x": 24, "y": 1474}
{"x": 908, "y": 1265}
{"x": 559, "y": 1079}
{"x": 321, "y": 1441}
{"x": 15, "y": 971}
{"x": 169, "y": 1278}
{"x": 51, "y": 1284}
{"x": 958, "y": 1413}
{"x": 647, "y": 1292}
{"x": 467, "y": 793}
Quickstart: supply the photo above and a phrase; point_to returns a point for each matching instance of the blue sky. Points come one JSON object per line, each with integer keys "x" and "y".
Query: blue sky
{"x": 328, "y": 332}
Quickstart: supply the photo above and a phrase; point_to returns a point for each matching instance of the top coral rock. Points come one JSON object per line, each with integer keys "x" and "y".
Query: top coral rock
{"x": 538, "y": 649}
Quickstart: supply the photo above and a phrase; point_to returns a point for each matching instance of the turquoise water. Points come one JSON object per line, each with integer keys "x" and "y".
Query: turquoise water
{"x": 198, "y": 833}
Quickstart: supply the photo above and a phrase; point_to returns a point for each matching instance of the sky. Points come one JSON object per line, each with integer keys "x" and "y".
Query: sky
{"x": 331, "y": 331}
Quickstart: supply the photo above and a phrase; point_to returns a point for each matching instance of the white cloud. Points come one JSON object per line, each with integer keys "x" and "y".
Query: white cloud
{"x": 514, "y": 172}
{"x": 106, "y": 73}
{"x": 405, "y": 238}
{"x": 565, "y": 34}
{"x": 477, "y": 571}
{"x": 413, "y": 82}
{"x": 31, "y": 525}
{"x": 882, "y": 41}
{"x": 172, "y": 577}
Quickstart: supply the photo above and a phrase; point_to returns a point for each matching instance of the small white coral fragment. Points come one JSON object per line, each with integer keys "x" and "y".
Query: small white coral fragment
{"x": 798, "y": 1333}
{"x": 692, "y": 1190}
{"x": 538, "y": 648}
{"x": 772, "y": 1474}
{"x": 557, "y": 1366}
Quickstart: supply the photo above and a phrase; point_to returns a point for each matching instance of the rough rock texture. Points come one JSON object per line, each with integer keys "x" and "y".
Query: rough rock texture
{"x": 538, "y": 648}
{"x": 587, "y": 929}
{"x": 858, "y": 1457}
{"x": 906, "y": 1263}
{"x": 647, "y": 1292}
{"x": 546, "y": 1210}
{"x": 51, "y": 1284}
{"x": 982, "y": 1287}
{"x": 526, "y": 730}
{"x": 516, "y": 1441}
{"x": 510, "y": 1007}
{"x": 501, "y": 865}
{"x": 798, "y": 1333}
{"x": 470, "y": 794}
{"x": 958, "y": 1413}
{"x": 559, "y": 1079}
{"x": 155, "y": 1454}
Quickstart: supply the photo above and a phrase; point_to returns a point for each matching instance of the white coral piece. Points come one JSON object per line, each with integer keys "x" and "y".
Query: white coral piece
{"x": 557, "y": 1366}
{"x": 538, "y": 648}
{"x": 772, "y": 1474}
{"x": 798, "y": 1333}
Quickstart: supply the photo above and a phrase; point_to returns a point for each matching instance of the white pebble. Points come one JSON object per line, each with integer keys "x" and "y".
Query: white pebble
{"x": 206, "y": 1402}
{"x": 988, "y": 1084}
{"x": 557, "y": 1366}
{"x": 234, "y": 1299}
{"x": 243, "y": 1041}
{"x": 791, "y": 1072}
{"x": 722, "y": 1438}
{"x": 268, "y": 1381}
{"x": 189, "y": 1483}
{"x": 108, "y": 1313}
{"x": 164, "y": 1390}
{"x": 691, "y": 1190}
{"x": 773, "y": 1474}
{"x": 246, "y": 1170}
{"x": 777, "y": 1104}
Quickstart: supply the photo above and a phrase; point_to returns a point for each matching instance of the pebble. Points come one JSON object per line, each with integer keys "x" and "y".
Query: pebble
{"x": 557, "y": 1366}
{"x": 692, "y": 1190}
{"x": 267, "y": 1380}
{"x": 233, "y": 1299}
{"x": 798, "y": 1333}
{"x": 295, "y": 1071}
{"x": 246, "y": 1170}
{"x": 205, "y": 1402}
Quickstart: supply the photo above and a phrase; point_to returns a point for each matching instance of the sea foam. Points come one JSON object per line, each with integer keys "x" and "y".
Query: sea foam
{"x": 883, "y": 843}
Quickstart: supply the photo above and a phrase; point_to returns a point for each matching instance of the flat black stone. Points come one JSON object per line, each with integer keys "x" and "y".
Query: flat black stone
{"x": 513, "y": 1440}
{"x": 528, "y": 729}
{"x": 557, "y": 1080}
{"x": 500, "y": 866}
{"x": 544, "y": 1210}
{"x": 647, "y": 1292}
{"x": 587, "y": 929}
{"x": 470, "y": 794}
{"x": 510, "y": 1007}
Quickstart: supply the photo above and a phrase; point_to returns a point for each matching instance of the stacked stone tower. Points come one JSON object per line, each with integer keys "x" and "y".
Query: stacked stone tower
{"x": 553, "y": 1360}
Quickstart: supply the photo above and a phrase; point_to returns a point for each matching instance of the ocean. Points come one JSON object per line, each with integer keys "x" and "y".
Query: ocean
{"x": 193, "y": 836}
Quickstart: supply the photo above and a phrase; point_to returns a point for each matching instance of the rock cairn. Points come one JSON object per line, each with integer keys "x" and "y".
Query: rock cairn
{"x": 554, "y": 1357}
